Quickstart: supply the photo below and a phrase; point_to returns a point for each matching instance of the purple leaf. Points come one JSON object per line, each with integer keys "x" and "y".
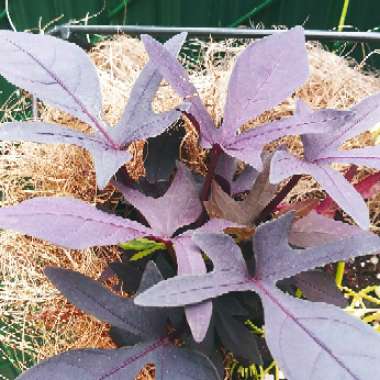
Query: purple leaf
{"x": 229, "y": 274}
{"x": 343, "y": 193}
{"x": 58, "y": 72}
{"x": 107, "y": 160}
{"x": 369, "y": 156}
{"x": 320, "y": 150}
{"x": 190, "y": 261}
{"x": 248, "y": 146}
{"x": 266, "y": 73}
{"x": 320, "y": 286}
{"x": 176, "y": 75}
{"x": 276, "y": 260}
{"x": 69, "y": 222}
{"x": 318, "y": 341}
{"x": 365, "y": 115}
{"x": 171, "y": 363}
{"x": 139, "y": 121}
{"x": 244, "y": 180}
{"x": 92, "y": 298}
{"x": 227, "y": 167}
{"x": 315, "y": 229}
{"x": 178, "y": 207}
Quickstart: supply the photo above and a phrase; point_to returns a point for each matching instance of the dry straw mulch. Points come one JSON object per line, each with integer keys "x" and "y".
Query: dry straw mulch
{"x": 28, "y": 170}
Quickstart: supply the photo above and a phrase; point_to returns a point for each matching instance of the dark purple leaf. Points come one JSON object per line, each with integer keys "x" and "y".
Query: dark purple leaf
{"x": 227, "y": 167}
{"x": 107, "y": 160}
{"x": 124, "y": 363}
{"x": 69, "y": 222}
{"x": 159, "y": 164}
{"x": 178, "y": 207}
{"x": 234, "y": 335}
{"x": 315, "y": 229}
{"x": 91, "y": 297}
{"x": 122, "y": 338}
{"x": 320, "y": 286}
{"x": 128, "y": 274}
{"x": 265, "y": 73}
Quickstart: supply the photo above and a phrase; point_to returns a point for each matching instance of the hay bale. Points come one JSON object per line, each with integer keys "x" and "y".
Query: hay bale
{"x": 28, "y": 170}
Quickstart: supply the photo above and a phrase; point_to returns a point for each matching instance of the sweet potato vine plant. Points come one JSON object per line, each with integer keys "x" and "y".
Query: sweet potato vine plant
{"x": 219, "y": 269}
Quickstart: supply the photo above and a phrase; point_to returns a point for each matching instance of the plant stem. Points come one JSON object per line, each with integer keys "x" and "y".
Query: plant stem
{"x": 214, "y": 157}
{"x": 271, "y": 206}
{"x": 341, "y": 266}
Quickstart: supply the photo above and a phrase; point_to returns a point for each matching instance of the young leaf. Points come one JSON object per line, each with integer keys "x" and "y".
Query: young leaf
{"x": 367, "y": 187}
{"x": 322, "y": 150}
{"x": 69, "y": 222}
{"x": 221, "y": 205}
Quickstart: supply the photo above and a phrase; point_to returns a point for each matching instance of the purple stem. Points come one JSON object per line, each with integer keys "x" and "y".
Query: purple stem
{"x": 214, "y": 157}
{"x": 271, "y": 206}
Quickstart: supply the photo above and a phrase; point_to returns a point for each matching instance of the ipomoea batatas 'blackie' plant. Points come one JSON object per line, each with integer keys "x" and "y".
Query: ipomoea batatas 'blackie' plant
{"x": 219, "y": 282}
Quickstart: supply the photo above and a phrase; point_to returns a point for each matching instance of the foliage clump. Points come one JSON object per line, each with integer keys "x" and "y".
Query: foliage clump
{"x": 221, "y": 282}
